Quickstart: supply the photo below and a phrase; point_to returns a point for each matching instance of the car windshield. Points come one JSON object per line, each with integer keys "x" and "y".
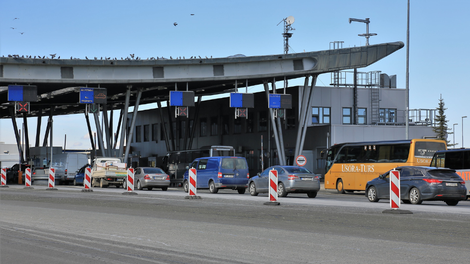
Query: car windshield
{"x": 153, "y": 170}
{"x": 233, "y": 163}
{"x": 446, "y": 174}
{"x": 296, "y": 170}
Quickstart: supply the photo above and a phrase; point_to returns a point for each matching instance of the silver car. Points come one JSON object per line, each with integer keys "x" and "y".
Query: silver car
{"x": 291, "y": 179}
{"x": 150, "y": 177}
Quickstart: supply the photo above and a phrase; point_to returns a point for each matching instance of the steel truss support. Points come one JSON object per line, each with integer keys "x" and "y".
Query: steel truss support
{"x": 100, "y": 134}
{"x": 17, "y": 135}
{"x": 124, "y": 123}
{"x": 303, "y": 115}
{"x": 26, "y": 137}
{"x": 165, "y": 132}
{"x": 195, "y": 123}
{"x": 38, "y": 128}
{"x": 134, "y": 117}
{"x": 90, "y": 133}
{"x": 279, "y": 147}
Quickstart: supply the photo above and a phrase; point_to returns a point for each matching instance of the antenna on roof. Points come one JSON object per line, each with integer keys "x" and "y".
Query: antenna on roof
{"x": 288, "y": 21}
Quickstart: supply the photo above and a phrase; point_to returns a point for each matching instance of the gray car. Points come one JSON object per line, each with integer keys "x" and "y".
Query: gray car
{"x": 418, "y": 184}
{"x": 150, "y": 177}
{"x": 291, "y": 179}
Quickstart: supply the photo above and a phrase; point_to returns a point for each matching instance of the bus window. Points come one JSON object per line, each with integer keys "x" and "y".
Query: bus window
{"x": 400, "y": 153}
{"x": 425, "y": 149}
{"x": 454, "y": 160}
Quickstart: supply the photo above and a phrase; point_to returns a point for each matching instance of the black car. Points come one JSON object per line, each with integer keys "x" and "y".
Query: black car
{"x": 418, "y": 184}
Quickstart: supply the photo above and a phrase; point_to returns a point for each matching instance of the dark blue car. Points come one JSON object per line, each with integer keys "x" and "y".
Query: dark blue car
{"x": 418, "y": 184}
{"x": 78, "y": 179}
{"x": 220, "y": 173}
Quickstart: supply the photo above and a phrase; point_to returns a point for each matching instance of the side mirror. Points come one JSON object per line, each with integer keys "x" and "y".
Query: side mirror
{"x": 258, "y": 174}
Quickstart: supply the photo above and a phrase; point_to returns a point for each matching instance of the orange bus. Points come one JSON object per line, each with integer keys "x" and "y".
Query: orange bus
{"x": 349, "y": 166}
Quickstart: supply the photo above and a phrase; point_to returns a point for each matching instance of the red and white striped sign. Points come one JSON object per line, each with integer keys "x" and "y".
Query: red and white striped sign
{"x": 130, "y": 180}
{"x": 192, "y": 182}
{"x": 273, "y": 181}
{"x": 395, "y": 189}
{"x": 51, "y": 178}
{"x": 87, "y": 178}
{"x": 27, "y": 177}
{"x": 4, "y": 176}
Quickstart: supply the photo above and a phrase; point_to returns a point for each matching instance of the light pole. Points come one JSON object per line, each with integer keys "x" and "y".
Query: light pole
{"x": 453, "y": 132}
{"x": 462, "y": 130}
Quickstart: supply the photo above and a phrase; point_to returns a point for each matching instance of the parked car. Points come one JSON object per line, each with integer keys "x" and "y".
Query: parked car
{"x": 150, "y": 177}
{"x": 80, "y": 175}
{"x": 223, "y": 172}
{"x": 418, "y": 184}
{"x": 291, "y": 179}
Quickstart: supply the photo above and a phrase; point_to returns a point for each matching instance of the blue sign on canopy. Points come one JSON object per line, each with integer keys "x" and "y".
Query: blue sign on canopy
{"x": 242, "y": 100}
{"x": 86, "y": 96}
{"x": 274, "y": 101}
{"x": 22, "y": 93}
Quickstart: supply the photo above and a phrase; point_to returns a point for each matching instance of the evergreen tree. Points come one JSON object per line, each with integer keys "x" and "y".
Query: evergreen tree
{"x": 441, "y": 123}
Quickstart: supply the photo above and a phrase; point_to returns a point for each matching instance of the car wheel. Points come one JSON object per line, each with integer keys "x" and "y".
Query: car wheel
{"x": 281, "y": 190}
{"x": 139, "y": 186}
{"x": 164, "y": 188}
{"x": 74, "y": 182}
{"x": 149, "y": 188}
{"x": 415, "y": 196}
{"x": 212, "y": 187}
{"x": 253, "y": 189}
{"x": 241, "y": 190}
{"x": 372, "y": 194}
{"x": 340, "y": 187}
{"x": 185, "y": 186}
{"x": 312, "y": 194}
{"x": 451, "y": 202}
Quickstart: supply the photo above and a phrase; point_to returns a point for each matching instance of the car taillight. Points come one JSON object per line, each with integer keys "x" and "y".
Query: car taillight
{"x": 248, "y": 175}
{"x": 316, "y": 177}
{"x": 34, "y": 173}
{"x": 462, "y": 182}
{"x": 292, "y": 177}
{"x": 219, "y": 175}
{"x": 147, "y": 177}
{"x": 167, "y": 177}
{"x": 432, "y": 181}
{"x": 65, "y": 171}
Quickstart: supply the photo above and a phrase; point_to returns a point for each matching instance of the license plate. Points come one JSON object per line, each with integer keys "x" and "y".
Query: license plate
{"x": 306, "y": 179}
{"x": 451, "y": 184}
{"x": 228, "y": 176}
{"x": 120, "y": 180}
{"x": 158, "y": 178}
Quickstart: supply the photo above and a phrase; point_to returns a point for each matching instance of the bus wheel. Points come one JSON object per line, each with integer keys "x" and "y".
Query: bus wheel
{"x": 340, "y": 187}
{"x": 372, "y": 194}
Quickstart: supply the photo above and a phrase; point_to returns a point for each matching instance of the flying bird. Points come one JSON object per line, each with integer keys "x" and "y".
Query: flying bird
{"x": 192, "y": 14}
{"x": 15, "y": 28}
{"x": 175, "y": 24}
{"x": 21, "y": 33}
{"x": 15, "y": 18}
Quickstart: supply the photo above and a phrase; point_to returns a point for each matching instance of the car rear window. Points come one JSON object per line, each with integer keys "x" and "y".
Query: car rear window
{"x": 296, "y": 170}
{"x": 448, "y": 174}
{"x": 153, "y": 170}
{"x": 234, "y": 163}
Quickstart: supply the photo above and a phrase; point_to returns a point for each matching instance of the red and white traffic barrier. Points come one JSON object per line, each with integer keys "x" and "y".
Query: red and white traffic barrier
{"x": 273, "y": 182}
{"x": 51, "y": 181}
{"x": 130, "y": 180}
{"x": 27, "y": 177}
{"x": 395, "y": 189}
{"x": 4, "y": 177}
{"x": 192, "y": 190}
{"x": 87, "y": 180}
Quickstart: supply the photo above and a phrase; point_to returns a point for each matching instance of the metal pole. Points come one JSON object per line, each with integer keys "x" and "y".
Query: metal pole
{"x": 276, "y": 136}
{"x": 453, "y": 132}
{"x": 167, "y": 140}
{"x": 124, "y": 123}
{"x": 134, "y": 117}
{"x": 301, "y": 147}
{"x": 407, "y": 114}
{"x": 303, "y": 109}
{"x": 463, "y": 146}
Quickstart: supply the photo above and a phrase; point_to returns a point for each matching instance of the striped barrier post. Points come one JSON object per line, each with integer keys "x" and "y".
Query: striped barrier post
{"x": 27, "y": 179}
{"x": 130, "y": 182}
{"x": 192, "y": 182}
{"x": 273, "y": 185}
{"x": 87, "y": 180}
{"x": 395, "y": 189}
{"x": 4, "y": 177}
{"x": 51, "y": 180}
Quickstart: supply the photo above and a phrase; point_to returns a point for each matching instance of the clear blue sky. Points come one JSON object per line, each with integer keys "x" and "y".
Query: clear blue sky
{"x": 439, "y": 53}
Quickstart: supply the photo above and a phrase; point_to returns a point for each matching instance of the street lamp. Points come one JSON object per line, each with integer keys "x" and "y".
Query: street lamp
{"x": 453, "y": 132}
{"x": 462, "y": 129}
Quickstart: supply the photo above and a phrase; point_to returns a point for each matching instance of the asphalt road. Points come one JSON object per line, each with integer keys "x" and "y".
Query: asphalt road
{"x": 105, "y": 226}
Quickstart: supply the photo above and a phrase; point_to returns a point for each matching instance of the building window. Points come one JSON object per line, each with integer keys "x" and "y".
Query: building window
{"x": 249, "y": 125}
{"x": 347, "y": 115}
{"x": 262, "y": 121}
{"x": 387, "y": 115}
{"x": 237, "y": 126}
{"x": 226, "y": 125}
{"x": 362, "y": 116}
{"x": 146, "y": 133}
{"x": 138, "y": 134}
{"x": 203, "y": 127}
{"x": 155, "y": 132}
{"x": 214, "y": 125}
{"x": 320, "y": 115}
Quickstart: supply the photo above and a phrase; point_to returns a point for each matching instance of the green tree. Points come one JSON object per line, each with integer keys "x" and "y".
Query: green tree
{"x": 441, "y": 123}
